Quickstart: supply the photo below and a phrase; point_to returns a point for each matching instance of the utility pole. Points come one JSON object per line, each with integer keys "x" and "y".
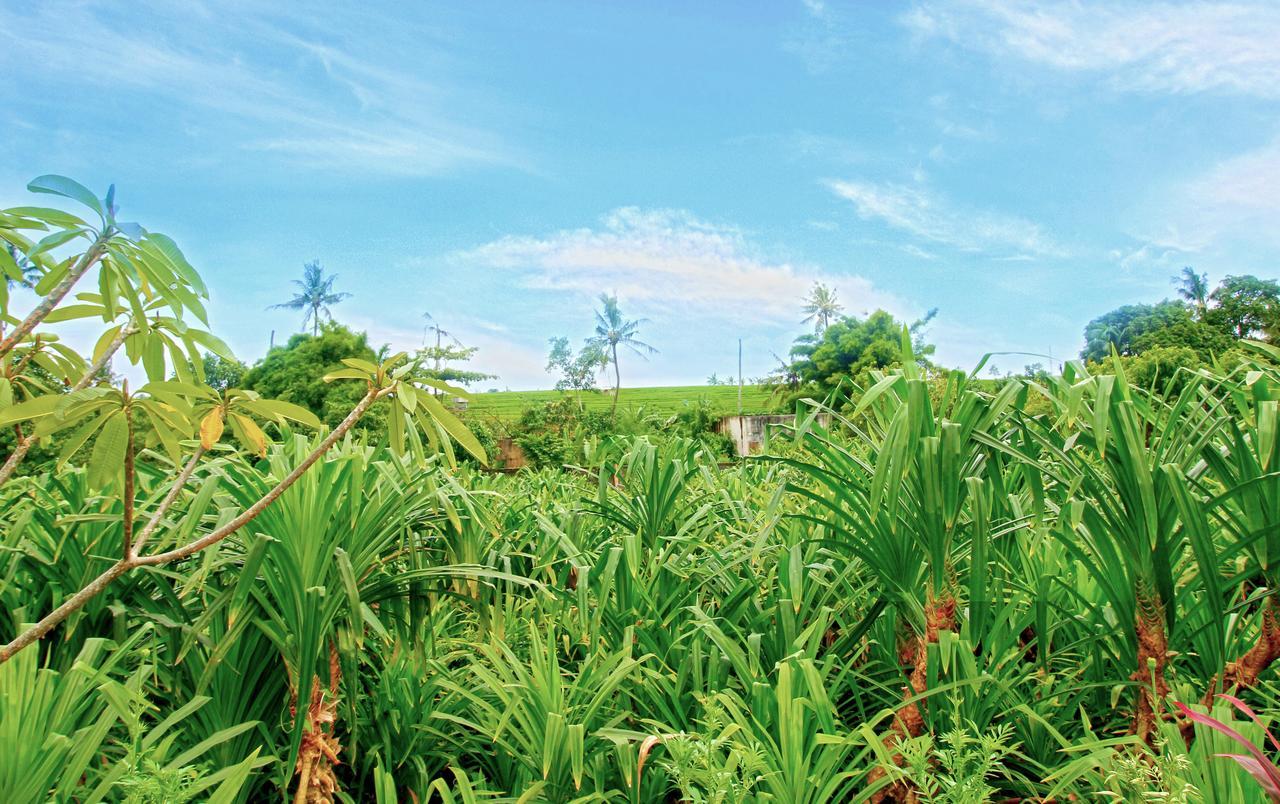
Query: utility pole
{"x": 739, "y": 376}
{"x": 740, "y": 422}
{"x": 272, "y": 344}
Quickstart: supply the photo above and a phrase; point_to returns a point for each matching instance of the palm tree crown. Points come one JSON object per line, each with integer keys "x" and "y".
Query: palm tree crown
{"x": 315, "y": 296}
{"x": 821, "y": 306}
{"x": 1193, "y": 287}
{"x": 612, "y": 331}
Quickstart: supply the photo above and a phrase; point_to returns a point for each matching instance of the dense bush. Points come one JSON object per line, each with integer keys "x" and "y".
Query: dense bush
{"x": 295, "y": 373}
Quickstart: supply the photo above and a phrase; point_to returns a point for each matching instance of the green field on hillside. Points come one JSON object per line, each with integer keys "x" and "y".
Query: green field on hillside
{"x": 508, "y": 405}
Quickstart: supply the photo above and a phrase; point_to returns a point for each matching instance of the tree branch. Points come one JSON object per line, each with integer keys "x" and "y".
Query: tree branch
{"x": 23, "y": 446}
{"x": 68, "y": 607}
{"x": 271, "y": 496}
{"x": 87, "y": 260}
{"x": 178, "y": 484}
{"x": 97, "y": 585}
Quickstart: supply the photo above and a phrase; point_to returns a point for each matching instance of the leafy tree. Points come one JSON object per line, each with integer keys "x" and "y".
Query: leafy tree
{"x": 821, "y": 307}
{"x": 1163, "y": 369}
{"x": 1209, "y": 325}
{"x": 1124, "y": 328}
{"x": 315, "y": 296}
{"x": 576, "y": 372}
{"x": 294, "y": 372}
{"x": 1201, "y": 337}
{"x": 223, "y": 373}
{"x": 612, "y": 331}
{"x": 1246, "y": 307}
{"x": 439, "y": 362}
{"x": 434, "y": 361}
{"x": 850, "y": 347}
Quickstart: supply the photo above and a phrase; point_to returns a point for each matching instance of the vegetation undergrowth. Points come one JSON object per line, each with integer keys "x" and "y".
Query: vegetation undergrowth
{"x": 938, "y": 588}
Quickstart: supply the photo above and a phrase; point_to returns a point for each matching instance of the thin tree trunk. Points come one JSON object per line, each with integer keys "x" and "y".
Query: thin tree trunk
{"x": 617, "y": 381}
{"x": 46, "y": 305}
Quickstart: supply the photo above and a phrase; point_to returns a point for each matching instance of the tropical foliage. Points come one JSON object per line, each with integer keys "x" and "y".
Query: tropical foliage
{"x": 940, "y": 589}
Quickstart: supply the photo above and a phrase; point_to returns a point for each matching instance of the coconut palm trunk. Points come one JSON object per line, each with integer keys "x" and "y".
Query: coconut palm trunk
{"x": 617, "y": 381}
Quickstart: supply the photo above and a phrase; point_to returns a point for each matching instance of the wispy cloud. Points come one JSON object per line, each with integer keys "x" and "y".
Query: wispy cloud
{"x": 1151, "y": 47}
{"x": 929, "y": 216}
{"x": 1245, "y": 184}
{"x": 255, "y": 79}
{"x": 1235, "y": 202}
{"x": 821, "y": 39}
{"x": 664, "y": 260}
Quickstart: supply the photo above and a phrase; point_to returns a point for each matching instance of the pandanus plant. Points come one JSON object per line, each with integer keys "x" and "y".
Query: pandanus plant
{"x": 1246, "y": 465}
{"x": 1126, "y": 458}
{"x": 910, "y": 500}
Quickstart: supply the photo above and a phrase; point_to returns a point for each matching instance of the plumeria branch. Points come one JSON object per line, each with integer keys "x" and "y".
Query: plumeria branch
{"x": 24, "y": 445}
{"x": 87, "y": 260}
{"x": 133, "y": 558}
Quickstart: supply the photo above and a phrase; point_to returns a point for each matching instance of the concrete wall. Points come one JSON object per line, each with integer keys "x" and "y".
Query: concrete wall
{"x": 510, "y": 455}
{"x": 748, "y": 432}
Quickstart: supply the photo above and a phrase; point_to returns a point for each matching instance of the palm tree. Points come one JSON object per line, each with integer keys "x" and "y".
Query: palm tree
{"x": 821, "y": 306}
{"x": 1193, "y": 287}
{"x": 613, "y": 331}
{"x": 315, "y": 297}
{"x": 28, "y": 270}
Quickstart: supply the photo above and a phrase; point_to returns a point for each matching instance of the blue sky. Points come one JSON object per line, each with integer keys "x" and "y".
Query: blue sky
{"x": 1023, "y": 167}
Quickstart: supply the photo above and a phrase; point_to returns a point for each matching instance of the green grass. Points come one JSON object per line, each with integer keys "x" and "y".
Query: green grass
{"x": 508, "y": 405}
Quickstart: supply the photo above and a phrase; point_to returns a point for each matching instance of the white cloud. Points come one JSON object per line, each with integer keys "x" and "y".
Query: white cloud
{"x": 821, "y": 40}
{"x": 1149, "y": 256}
{"x": 916, "y": 251}
{"x": 1236, "y": 202}
{"x": 665, "y": 259}
{"x": 1150, "y": 47}
{"x": 928, "y": 216}
{"x": 1245, "y": 184}
{"x": 815, "y": 7}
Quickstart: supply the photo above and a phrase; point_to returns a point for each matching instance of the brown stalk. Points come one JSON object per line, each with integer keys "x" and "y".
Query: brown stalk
{"x": 1245, "y": 672}
{"x": 318, "y": 753}
{"x": 908, "y": 722}
{"x": 1153, "y": 656}
{"x": 127, "y": 523}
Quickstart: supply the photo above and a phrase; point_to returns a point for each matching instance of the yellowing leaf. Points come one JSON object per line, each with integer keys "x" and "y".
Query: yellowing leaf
{"x": 211, "y": 428}
{"x": 252, "y": 435}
